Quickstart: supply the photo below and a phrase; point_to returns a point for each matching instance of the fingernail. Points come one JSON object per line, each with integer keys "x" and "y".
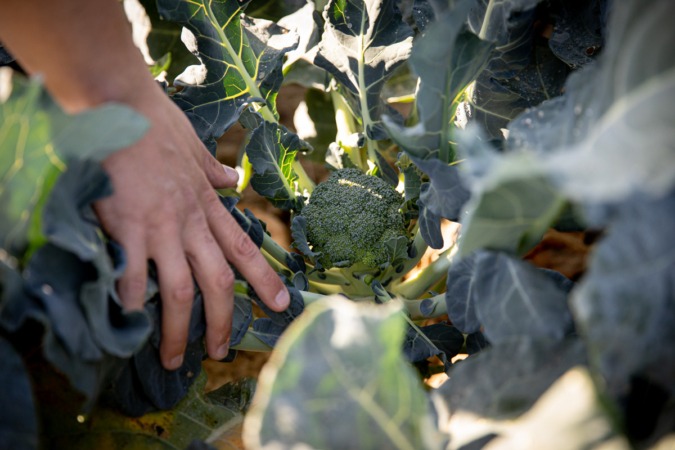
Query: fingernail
{"x": 282, "y": 299}
{"x": 222, "y": 351}
{"x": 176, "y": 362}
{"x": 231, "y": 173}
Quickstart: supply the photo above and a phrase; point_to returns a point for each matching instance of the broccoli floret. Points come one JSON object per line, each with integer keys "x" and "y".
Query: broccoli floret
{"x": 350, "y": 216}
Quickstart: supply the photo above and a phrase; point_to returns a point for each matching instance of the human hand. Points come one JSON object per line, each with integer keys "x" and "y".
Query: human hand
{"x": 164, "y": 208}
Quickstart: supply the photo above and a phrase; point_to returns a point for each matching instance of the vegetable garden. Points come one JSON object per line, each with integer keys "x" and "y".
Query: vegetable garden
{"x": 509, "y": 117}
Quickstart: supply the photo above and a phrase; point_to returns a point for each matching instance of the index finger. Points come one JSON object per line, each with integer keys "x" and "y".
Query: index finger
{"x": 240, "y": 251}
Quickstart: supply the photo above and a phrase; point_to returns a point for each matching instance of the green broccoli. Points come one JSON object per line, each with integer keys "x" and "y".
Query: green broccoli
{"x": 350, "y": 216}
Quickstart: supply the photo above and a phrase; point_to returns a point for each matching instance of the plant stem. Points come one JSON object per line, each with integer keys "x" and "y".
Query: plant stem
{"x": 250, "y": 343}
{"x": 435, "y": 304}
{"x": 415, "y": 287}
{"x": 346, "y": 127}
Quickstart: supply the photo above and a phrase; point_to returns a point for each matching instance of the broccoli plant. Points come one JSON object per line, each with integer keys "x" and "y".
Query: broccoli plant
{"x": 509, "y": 117}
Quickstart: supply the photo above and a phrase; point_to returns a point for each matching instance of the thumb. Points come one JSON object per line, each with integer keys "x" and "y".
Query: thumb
{"x": 219, "y": 175}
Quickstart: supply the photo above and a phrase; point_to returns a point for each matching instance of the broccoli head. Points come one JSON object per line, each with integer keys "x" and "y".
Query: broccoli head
{"x": 350, "y": 216}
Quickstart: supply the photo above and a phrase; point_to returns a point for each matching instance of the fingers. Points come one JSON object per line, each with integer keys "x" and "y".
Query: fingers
{"x": 177, "y": 292}
{"x": 240, "y": 251}
{"x": 216, "y": 281}
{"x": 133, "y": 283}
{"x": 219, "y": 175}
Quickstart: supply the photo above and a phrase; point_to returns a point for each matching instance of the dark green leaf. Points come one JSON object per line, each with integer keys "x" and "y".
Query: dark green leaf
{"x": 299, "y": 235}
{"x": 522, "y": 71}
{"x": 242, "y": 59}
{"x": 430, "y": 228}
{"x": 578, "y": 31}
{"x": 514, "y": 298}
{"x": 460, "y": 296}
{"x": 18, "y": 421}
{"x": 511, "y": 207}
{"x": 164, "y": 38}
{"x": 447, "y": 58}
{"x": 362, "y": 43}
{"x": 445, "y": 193}
{"x": 271, "y": 151}
{"x": 625, "y": 305}
{"x": 505, "y": 380}
{"x": 70, "y": 286}
{"x": 570, "y": 403}
{"x": 591, "y": 134}
{"x": 338, "y": 379}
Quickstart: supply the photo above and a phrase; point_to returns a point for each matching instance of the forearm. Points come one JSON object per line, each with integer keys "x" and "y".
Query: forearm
{"x": 82, "y": 48}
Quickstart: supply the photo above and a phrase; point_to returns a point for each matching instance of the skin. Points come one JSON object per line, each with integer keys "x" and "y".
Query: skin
{"x": 164, "y": 207}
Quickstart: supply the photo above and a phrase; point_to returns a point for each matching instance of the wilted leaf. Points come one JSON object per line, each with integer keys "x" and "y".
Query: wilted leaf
{"x": 338, "y": 379}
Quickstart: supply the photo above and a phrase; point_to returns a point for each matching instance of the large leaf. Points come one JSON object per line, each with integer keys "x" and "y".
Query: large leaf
{"x": 522, "y": 72}
{"x": 69, "y": 286}
{"x": 162, "y": 39}
{"x": 18, "y": 421}
{"x": 36, "y": 140}
{"x": 241, "y": 58}
{"x": 625, "y": 306}
{"x": 460, "y": 294}
{"x": 505, "y": 380}
{"x": 443, "y": 195}
{"x": 578, "y": 31}
{"x": 198, "y": 416}
{"x": 446, "y": 58}
{"x": 514, "y": 298}
{"x": 511, "y": 206}
{"x": 613, "y": 133}
{"x": 568, "y": 415}
{"x": 338, "y": 379}
{"x": 362, "y": 43}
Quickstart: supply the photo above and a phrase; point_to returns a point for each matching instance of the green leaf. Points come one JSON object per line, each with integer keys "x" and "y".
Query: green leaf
{"x": 612, "y": 135}
{"x": 511, "y": 207}
{"x": 522, "y": 72}
{"x": 446, "y": 58}
{"x": 241, "y": 57}
{"x": 164, "y": 43}
{"x": 337, "y": 379}
{"x": 362, "y": 44}
{"x": 625, "y": 304}
{"x": 197, "y": 416}
{"x": 37, "y": 139}
{"x": 569, "y": 415}
{"x": 271, "y": 151}
{"x": 514, "y": 298}
{"x": 506, "y": 379}
{"x": 18, "y": 421}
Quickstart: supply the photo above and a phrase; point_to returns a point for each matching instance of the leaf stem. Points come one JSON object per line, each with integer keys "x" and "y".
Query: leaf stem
{"x": 417, "y": 286}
